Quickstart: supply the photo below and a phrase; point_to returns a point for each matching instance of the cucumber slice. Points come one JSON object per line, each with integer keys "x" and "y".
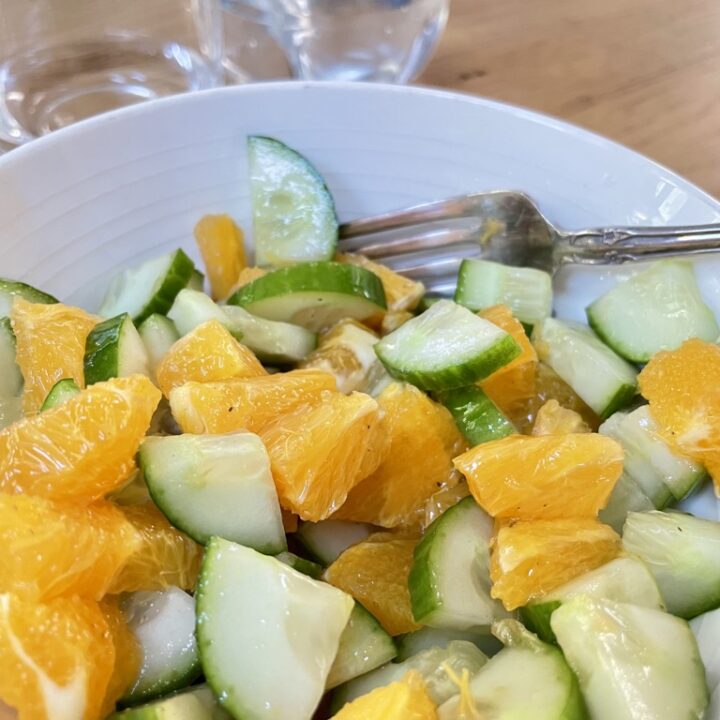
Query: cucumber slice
{"x": 293, "y": 212}
{"x": 649, "y": 460}
{"x": 271, "y": 341}
{"x": 426, "y": 302}
{"x": 163, "y": 623}
{"x": 60, "y": 393}
{"x": 446, "y": 347}
{"x": 364, "y": 646}
{"x": 11, "y": 379}
{"x": 706, "y": 629}
{"x": 431, "y": 664}
{"x": 427, "y": 637}
{"x": 196, "y": 281}
{"x": 478, "y": 418}
{"x": 328, "y": 539}
{"x": 10, "y": 289}
{"x": 267, "y": 634}
{"x": 657, "y": 309}
{"x": 215, "y": 485}
{"x": 149, "y": 288}
{"x": 528, "y": 679}
{"x": 633, "y": 662}
{"x": 601, "y": 378}
{"x": 306, "y": 567}
{"x": 526, "y": 291}
{"x": 625, "y": 579}
{"x": 449, "y": 580}
{"x": 114, "y": 349}
{"x": 683, "y": 554}
{"x": 626, "y": 496}
{"x": 197, "y": 703}
{"x": 158, "y": 334}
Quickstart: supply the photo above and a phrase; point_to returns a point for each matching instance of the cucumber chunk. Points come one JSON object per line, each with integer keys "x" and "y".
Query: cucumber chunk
{"x": 196, "y": 281}
{"x": 633, "y": 662}
{"x": 293, "y": 212}
{"x": 626, "y": 496}
{"x": 114, "y": 349}
{"x": 657, "y": 309}
{"x": 706, "y": 629}
{"x": 306, "y": 567}
{"x": 328, "y": 539}
{"x": 60, "y": 393}
{"x": 197, "y": 703}
{"x": 364, "y": 646}
{"x": 601, "y": 378}
{"x": 683, "y": 554}
{"x": 267, "y": 634}
{"x": 11, "y": 379}
{"x": 163, "y": 623}
{"x": 10, "y": 289}
{"x": 527, "y": 679}
{"x": 149, "y": 288}
{"x": 158, "y": 334}
{"x": 625, "y": 579}
{"x": 478, "y": 418}
{"x": 449, "y": 581}
{"x": 526, "y": 291}
{"x": 215, "y": 485}
{"x": 429, "y": 637}
{"x": 314, "y": 295}
{"x": 446, "y": 347}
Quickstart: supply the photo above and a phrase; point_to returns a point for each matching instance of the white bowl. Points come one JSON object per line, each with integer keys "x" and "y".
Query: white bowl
{"x": 78, "y": 205}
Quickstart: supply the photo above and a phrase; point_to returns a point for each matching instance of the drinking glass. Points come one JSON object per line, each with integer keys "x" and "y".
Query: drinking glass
{"x": 64, "y": 60}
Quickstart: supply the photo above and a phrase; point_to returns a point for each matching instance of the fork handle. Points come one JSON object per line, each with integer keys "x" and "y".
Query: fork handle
{"x": 610, "y": 246}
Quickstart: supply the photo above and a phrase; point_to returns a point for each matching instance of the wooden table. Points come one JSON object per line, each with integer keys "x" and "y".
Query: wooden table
{"x": 643, "y": 72}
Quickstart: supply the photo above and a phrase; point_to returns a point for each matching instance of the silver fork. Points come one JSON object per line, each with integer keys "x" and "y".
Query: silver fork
{"x": 428, "y": 242}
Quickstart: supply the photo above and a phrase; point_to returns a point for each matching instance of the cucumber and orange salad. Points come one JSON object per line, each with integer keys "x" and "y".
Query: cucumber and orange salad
{"x": 314, "y": 492}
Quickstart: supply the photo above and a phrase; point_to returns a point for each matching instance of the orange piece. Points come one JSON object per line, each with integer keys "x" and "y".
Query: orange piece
{"x": 553, "y": 476}
{"x": 163, "y": 557}
{"x": 221, "y": 245}
{"x": 52, "y": 549}
{"x": 246, "y": 276}
{"x": 316, "y": 454}
{"x": 532, "y": 557}
{"x": 553, "y": 419}
{"x": 56, "y": 659}
{"x": 206, "y": 354}
{"x": 249, "y": 404}
{"x": 442, "y": 500}
{"x": 375, "y": 572}
{"x": 50, "y": 342}
{"x": 683, "y": 389}
{"x": 82, "y": 449}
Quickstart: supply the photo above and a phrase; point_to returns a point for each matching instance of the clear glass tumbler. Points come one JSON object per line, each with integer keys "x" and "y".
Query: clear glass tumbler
{"x": 64, "y": 60}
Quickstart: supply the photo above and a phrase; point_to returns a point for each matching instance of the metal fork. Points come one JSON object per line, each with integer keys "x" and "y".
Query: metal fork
{"x": 428, "y": 242}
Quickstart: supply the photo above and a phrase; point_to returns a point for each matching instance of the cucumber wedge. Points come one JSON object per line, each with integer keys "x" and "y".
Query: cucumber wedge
{"x": 364, "y": 646}
{"x": 427, "y": 637}
{"x": 633, "y": 662}
{"x": 11, "y": 379}
{"x": 60, "y": 392}
{"x": 267, "y": 634}
{"x": 306, "y": 567}
{"x": 446, "y": 347}
{"x": 158, "y": 334}
{"x": 197, "y": 703}
{"x": 293, "y": 212}
{"x": 215, "y": 485}
{"x": 526, "y": 291}
{"x": 114, "y": 349}
{"x": 149, "y": 288}
{"x": 10, "y": 289}
{"x": 314, "y": 295}
{"x": 601, "y": 378}
{"x": 478, "y": 418}
{"x": 449, "y": 580}
{"x": 683, "y": 554}
{"x": 163, "y": 623}
{"x": 625, "y": 579}
{"x": 196, "y": 281}
{"x": 657, "y": 309}
{"x": 327, "y": 539}
{"x": 706, "y": 629}
{"x": 528, "y": 679}
{"x": 626, "y": 496}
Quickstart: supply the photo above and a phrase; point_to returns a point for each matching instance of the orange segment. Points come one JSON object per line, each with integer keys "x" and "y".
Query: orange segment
{"x": 50, "y": 341}
{"x": 52, "y": 549}
{"x": 375, "y": 572}
{"x": 442, "y": 500}
{"x": 553, "y": 419}
{"x": 82, "y": 449}
{"x": 423, "y": 440}
{"x": 247, "y": 275}
{"x": 163, "y": 557}
{"x": 532, "y": 557}
{"x": 221, "y": 245}
{"x": 316, "y": 454}
{"x": 249, "y": 404}
{"x": 207, "y": 353}
{"x": 56, "y": 659}
{"x": 553, "y": 476}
